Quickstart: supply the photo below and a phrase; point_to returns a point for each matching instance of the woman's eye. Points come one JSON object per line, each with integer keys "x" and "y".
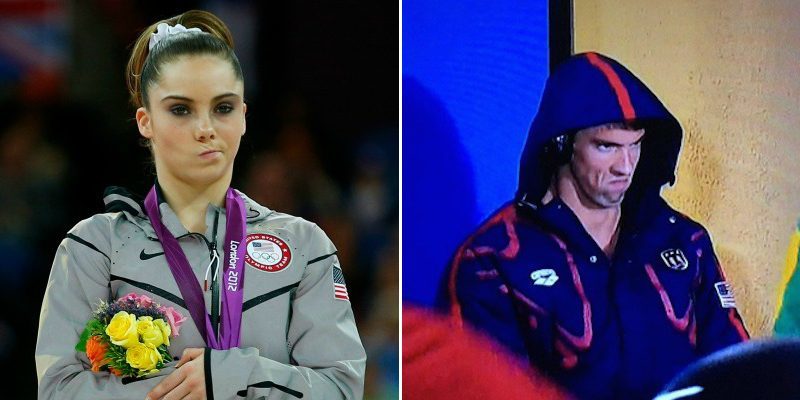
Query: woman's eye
{"x": 224, "y": 108}
{"x": 179, "y": 110}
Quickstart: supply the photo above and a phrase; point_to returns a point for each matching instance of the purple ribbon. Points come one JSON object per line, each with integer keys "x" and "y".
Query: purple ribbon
{"x": 189, "y": 285}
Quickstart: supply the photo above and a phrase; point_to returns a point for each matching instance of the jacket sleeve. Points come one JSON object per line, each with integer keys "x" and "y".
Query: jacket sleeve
{"x": 78, "y": 281}
{"x": 328, "y": 360}
{"x": 473, "y": 293}
{"x": 718, "y": 321}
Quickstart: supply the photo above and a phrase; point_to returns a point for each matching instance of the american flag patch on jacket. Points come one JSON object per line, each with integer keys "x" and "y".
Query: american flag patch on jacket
{"x": 725, "y": 294}
{"x": 339, "y": 288}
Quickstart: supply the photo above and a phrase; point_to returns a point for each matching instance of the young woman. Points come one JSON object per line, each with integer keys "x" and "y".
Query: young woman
{"x": 273, "y": 321}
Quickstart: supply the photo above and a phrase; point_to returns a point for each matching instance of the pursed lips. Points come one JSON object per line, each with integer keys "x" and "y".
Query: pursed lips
{"x": 619, "y": 182}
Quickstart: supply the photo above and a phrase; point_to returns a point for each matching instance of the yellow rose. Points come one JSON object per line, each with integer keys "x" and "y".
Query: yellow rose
{"x": 143, "y": 357}
{"x": 122, "y": 330}
{"x": 164, "y": 328}
{"x": 149, "y": 332}
{"x": 144, "y": 324}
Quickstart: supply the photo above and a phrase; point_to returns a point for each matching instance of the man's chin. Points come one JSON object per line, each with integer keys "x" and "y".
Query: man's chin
{"x": 610, "y": 200}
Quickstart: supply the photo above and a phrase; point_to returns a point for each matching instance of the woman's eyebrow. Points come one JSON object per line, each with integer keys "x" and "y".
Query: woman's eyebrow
{"x": 189, "y": 100}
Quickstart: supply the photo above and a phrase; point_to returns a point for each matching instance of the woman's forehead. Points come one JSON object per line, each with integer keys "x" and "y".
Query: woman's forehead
{"x": 198, "y": 74}
{"x": 205, "y": 69}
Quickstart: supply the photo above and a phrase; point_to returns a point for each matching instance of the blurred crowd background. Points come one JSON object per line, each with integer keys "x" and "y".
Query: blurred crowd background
{"x": 322, "y": 143}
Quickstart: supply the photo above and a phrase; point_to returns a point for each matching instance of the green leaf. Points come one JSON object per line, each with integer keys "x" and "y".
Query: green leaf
{"x": 96, "y": 326}
{"x": 164, "y": 353}
{"x": 91, "y": 327}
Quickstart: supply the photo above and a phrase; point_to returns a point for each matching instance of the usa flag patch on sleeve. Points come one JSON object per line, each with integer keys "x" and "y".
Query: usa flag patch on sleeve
{"x": 725, "y": 294}
{"x": 339, "y": 288}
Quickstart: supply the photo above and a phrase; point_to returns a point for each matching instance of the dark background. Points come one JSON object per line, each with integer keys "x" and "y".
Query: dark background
{"x": 322, "y": 143}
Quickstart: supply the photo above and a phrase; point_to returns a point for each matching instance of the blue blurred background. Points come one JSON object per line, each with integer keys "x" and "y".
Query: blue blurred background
{"x": 322, "y": 143}
{"x": 473, "y": 72}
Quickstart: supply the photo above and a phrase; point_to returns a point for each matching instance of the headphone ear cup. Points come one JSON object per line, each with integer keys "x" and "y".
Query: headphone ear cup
{"x": 556, "y": 152}
{"x": 563, "y": 145}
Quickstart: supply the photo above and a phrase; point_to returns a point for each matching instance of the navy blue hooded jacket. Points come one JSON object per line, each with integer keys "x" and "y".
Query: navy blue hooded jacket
{"x": 534, "y": 279}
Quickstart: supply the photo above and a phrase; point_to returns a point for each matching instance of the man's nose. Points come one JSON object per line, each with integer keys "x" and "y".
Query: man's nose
{"x": 625, "y": 163}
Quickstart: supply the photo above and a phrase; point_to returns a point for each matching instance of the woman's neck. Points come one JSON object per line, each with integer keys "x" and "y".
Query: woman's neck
{"x": 190, "y": 202}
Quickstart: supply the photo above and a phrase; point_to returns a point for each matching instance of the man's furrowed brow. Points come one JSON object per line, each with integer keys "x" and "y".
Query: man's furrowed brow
{"x": 607, "y": 143}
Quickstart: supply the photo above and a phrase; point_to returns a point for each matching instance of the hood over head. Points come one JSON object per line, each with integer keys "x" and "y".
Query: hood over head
{"x": 590, "y": 89}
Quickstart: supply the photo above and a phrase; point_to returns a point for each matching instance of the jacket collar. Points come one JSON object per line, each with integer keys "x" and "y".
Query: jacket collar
{"x": 119, "y": 199}
{"x": 648, "y": 215}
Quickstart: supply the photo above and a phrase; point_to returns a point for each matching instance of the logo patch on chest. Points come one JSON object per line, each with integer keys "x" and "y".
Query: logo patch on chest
{"x": 544, "y": 277}
{"x": 267, "y": 252}
{"x": 674, "y": 259}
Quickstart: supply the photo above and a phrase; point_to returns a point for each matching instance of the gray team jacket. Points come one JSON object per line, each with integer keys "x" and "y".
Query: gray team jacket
{"x": 298, "y": 337}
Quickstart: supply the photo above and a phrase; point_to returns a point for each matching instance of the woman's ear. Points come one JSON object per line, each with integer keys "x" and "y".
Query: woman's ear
{"x": 244, "y": 118}
{"x": 143, "y": 122}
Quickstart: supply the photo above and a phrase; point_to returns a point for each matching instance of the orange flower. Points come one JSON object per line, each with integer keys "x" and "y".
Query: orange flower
{"x": 115, "y": 371}
{"x": 96, "y": 352}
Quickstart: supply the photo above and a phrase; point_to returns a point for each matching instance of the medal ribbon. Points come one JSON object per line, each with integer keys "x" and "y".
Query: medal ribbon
{"x": 189, "y": 285}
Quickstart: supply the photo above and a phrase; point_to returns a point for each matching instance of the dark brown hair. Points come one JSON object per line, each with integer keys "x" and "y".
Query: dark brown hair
{"x": 144, "y": 64}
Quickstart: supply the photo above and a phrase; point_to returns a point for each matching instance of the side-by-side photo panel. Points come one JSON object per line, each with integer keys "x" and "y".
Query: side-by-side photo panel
{"x": 598, "y": 200}
{"x": 199, "y": 200}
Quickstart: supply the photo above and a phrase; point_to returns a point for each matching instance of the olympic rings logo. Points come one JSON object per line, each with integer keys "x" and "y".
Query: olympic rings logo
{"x": 268, "y": 256}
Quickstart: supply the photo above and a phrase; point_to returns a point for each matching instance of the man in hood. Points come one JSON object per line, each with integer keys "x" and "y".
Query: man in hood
{"x": 588, "y": 273}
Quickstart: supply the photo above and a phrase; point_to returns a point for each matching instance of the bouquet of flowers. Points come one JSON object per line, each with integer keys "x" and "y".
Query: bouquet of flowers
{"x": 129, "y": 337}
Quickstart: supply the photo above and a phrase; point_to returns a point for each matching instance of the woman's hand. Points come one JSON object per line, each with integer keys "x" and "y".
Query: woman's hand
{"x": 188, "y": 381}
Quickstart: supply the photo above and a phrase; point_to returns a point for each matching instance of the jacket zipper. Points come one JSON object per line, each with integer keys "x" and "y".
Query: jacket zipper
{"x": 617, "y": 317}
{"x": 620, "y": 260}
{"x": 214, "y": 282}
{"x": 212, "y": 249}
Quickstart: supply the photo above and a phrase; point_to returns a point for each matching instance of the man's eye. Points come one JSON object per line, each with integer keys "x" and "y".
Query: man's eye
{"x": 605, "y": 147}
{"x": 224, "y": 108}
{"x": 179, "y": 110}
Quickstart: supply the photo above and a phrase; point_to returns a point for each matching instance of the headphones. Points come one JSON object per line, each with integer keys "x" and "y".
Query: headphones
{"x": 558, "y": 151}
{"x": 554, "y": 153}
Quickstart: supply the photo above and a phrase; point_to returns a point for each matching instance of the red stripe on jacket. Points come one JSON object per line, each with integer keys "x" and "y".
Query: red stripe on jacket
{"x": 620, "y": 90}
{"x": 508, "y": 215}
